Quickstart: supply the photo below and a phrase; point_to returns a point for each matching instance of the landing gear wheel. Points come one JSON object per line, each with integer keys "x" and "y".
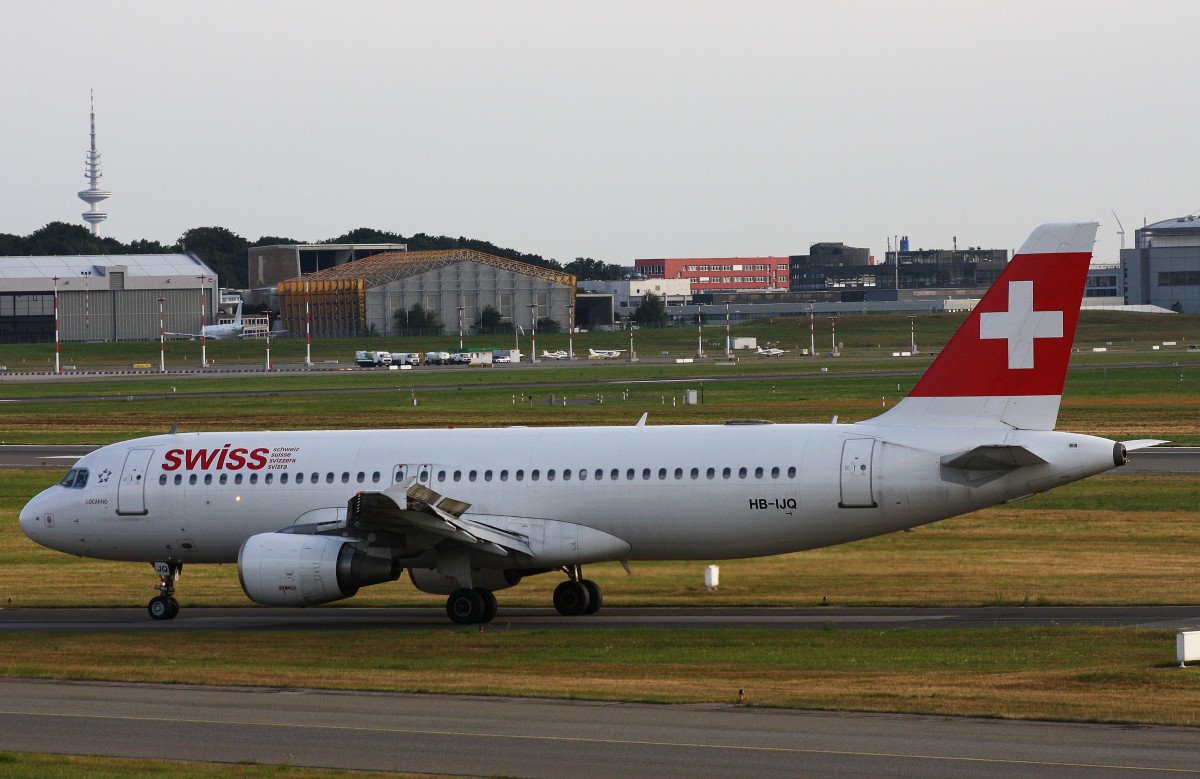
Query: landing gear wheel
{"x": 571, "y": 598}
{"x": 489, "y": 605}
{"x": 465, "y": 606}
{"x": 595, "y": 597}
{"x": 162, "y": 607}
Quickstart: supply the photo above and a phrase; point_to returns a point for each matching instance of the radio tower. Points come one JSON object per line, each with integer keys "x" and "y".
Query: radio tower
{"x": 93, "y": 194}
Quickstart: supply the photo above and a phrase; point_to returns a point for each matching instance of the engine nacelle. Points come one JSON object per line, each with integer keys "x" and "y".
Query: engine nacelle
{"x": 286, "y": 569}
{"x": 431, "y": 580}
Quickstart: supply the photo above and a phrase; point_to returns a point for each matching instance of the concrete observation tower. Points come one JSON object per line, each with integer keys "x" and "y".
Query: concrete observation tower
{"x": 93, "y": 195}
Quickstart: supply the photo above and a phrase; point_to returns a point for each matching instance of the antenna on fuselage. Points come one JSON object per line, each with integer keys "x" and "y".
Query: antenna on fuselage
{"x": 174, "y": 427}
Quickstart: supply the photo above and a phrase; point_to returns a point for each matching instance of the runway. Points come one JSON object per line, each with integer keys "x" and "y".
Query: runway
{"x": 465, "y": 735}
{"x": 254, "y": 618}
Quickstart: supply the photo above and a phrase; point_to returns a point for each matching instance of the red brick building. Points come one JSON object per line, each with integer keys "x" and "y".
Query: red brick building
{"x": 720, "y": 274}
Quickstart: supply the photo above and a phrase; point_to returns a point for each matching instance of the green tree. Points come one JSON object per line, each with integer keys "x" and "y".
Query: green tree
{"x": 651, "y": 312}
{"x": 418, "y": 320}
{"x": 547, "y": 325}
{"x": 222, "y": 250}
{"x": 587, "y": 269}
{"x": 490, "y": 321}
{"x": 63, "y": 238}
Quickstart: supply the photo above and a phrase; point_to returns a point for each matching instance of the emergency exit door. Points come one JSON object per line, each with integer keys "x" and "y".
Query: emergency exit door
{"x": 856, "y": 474}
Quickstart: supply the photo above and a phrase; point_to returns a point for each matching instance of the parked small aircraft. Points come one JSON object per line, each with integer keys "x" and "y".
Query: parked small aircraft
{"x": 558, "y": 355}
{"x": 771, "y": 351}
{"x": 604, "y": 354}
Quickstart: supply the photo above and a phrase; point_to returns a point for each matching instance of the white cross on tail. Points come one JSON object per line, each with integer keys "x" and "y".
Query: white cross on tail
{"x": 1020, "y": 324}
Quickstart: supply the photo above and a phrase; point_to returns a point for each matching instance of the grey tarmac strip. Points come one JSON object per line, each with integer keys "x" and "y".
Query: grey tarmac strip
{"x": 477, "y": 736}
{"x": 252, "y": 618}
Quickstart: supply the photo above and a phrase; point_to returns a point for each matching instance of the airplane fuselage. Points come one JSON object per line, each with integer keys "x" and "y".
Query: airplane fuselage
{"x": 669, "y": 492}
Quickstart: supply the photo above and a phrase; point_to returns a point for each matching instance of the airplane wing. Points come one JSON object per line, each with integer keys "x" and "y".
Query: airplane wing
{"x": 410, "y": 505}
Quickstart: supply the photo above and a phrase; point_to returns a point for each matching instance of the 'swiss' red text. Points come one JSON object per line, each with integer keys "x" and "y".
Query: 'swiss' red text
{"x": 223, "y": 459}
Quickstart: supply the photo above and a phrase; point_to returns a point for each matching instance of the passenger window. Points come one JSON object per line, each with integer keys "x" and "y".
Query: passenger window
{"x": 599, "y": 474}
{"x": 646, "y": 474}
{"x": 254, "y": 478}
{"x": 758, "y": 472}
{"x": 504, "y": 475}
{"x": 710, "y": 473}
{"x": 328, "y": 478}
{"x": 283, "y": 478}
{"x": 362, "y": 477}
{"x": 678, "y": 473}
{"x": 237, "y": 478}
{"x": 458, "y": 475}
{"x": 792, "y": 472}
{"x": 300, "y": 478}
{"x": 471, "y": 476}
{"x": 487, "y": 475}
{"x": 550, "y": 475}
{"x": 566, "y": 474}
{"x": 314, "y": 478}
{"x": 178, "y": 478}
{"x": 162, "y": 479}
{"x": 583, "y": 474}
{"x": 225, "y": 477}
{"x": 742, "y": 473}
{"x": 533, "y": 475}
{"x": 192, "y": 479}
{"x": 345, "y": 477}
{"x": 629, "y": 474}
{"x": 614, "y": 474}
{"x": 662, "y": 473}
{"x": 208, "y": 478}
{"x": 725, "y": 473}
{"x": 695, "y": 473}
{"x": 520, "y": 475}
{"x": 441, "y": 475}
{"x": 375, "y": 477}
{"x": 270, "y": 477}
{"x": 775, "y": 472}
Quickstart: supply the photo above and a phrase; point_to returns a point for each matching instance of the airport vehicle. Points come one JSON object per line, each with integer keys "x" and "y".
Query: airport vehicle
{"x": 406, "y": 358}
{"x": 771, "y": 351}
{"x": 604, "y": 354}
{"x": 372, "y": 359}
{"x": 233, "y": 329}
{"x": 437, "y": 358}
{"x": 312, "y": 516}
{"x": 555, "y": 355}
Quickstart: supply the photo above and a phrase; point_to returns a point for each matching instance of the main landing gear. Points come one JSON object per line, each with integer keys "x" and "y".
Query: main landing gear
{"x": 165, "y": 606}
{"x": 577, "y": 596}
{"x": 471, "y": 605}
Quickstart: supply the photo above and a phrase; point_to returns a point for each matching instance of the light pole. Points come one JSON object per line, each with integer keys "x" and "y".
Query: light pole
{"x": 833, "y": 325}
{"x": 812, "y": 333}
{"x": 162, "y": 339}
{"x": 203, "y": 322}
{"x": 533, "y": 330}
{"x": 460, "y": 328}
{"x": 728, "y": 341}
{"x": 308, "y": 328}
{"x": 57, "y": 359}
{"x": 699, "y": 331}
{"x": 912, "y": 334}
{"x": 87, "y": 301}
{"x": 570, "y": 332}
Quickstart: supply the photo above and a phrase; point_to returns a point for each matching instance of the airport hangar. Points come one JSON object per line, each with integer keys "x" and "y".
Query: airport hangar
{"x": 363, "y": 296}
{"x": 103, "y": 297}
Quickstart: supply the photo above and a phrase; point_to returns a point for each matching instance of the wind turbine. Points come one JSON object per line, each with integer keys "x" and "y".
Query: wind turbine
{"x": 1121, "y": 231}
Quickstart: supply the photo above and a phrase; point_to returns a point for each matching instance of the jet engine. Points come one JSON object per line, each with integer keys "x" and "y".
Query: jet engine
{"x": 286, "y": 569}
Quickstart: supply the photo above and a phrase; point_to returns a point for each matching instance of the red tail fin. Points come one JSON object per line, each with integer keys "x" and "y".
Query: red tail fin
{"x": 1006, "y": 365}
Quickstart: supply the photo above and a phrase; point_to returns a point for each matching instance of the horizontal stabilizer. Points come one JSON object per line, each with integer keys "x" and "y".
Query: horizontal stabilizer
{"x": 993, "y": 458}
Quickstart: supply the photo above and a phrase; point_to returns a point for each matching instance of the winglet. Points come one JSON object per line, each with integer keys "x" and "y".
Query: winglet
{"x": 642, "y": 422}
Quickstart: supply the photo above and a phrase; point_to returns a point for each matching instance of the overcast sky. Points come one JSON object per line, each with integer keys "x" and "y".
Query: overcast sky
{"x": 612, "y": 130}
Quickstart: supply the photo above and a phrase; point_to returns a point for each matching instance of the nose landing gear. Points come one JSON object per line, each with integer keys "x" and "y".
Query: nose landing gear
{"x": 165, "y": 606}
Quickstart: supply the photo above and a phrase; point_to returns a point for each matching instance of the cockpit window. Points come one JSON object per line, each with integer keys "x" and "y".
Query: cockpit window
{"x": 76, "y": 478}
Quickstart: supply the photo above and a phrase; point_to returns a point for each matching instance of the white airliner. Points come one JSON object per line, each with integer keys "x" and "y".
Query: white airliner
{"x": 771, "y": 351}
{"x": 310, "y": 517}
{"x": 556, "y": 355}
{"x": 604, "y": 354}
{"x": 232, "y": 329}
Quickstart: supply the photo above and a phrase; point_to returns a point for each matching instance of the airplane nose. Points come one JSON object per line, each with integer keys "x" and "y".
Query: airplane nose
{"x": 27, "y": 520}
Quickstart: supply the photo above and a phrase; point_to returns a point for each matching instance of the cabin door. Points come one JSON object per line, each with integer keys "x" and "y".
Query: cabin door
{"x": 131, "y": 490}
{"x": 856, "y": 473}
